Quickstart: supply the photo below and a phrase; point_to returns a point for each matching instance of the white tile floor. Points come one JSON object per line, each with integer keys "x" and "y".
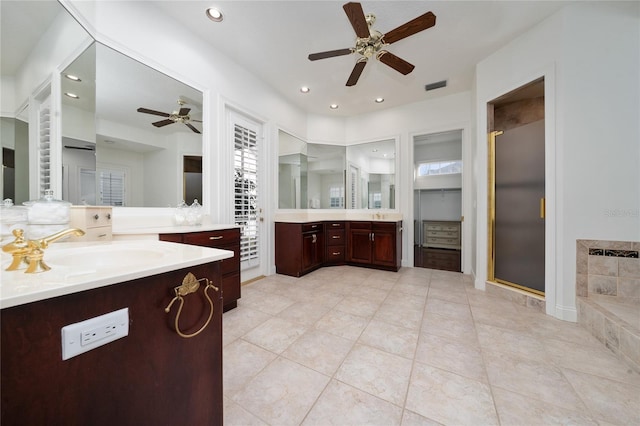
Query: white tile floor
{"x": 354, "y": 346}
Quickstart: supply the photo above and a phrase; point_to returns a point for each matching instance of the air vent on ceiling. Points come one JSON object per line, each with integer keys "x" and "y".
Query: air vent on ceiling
{"x": 436, "y": 85}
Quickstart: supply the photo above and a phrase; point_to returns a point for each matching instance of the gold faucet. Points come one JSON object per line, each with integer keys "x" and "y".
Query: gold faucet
{"x": 31, "y": 252}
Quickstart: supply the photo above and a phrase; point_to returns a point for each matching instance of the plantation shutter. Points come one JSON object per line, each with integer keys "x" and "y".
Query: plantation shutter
{"x": 246, "y": 203}
{"x": 111, "y": 186}
{"x": 44, "y": 146}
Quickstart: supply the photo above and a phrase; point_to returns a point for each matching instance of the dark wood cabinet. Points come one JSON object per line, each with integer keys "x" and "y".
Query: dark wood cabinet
{"x": 303, "y": 247}
{"x": 377, "y": 244}
{"x": 226, "y": 239}
{"x": 150, "y": 377}
{"x": 335, "y": 243}
{"x": 299, "y": 247}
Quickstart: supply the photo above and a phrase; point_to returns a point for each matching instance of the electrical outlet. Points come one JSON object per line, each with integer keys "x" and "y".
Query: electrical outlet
{"x": 92, "y": 333}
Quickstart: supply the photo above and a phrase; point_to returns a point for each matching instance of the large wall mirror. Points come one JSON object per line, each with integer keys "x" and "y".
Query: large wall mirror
{"x": 323, "y": 176}
{"x": 112, "y": 153}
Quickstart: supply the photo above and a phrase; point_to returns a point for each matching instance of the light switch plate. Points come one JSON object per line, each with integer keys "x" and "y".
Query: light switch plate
{"x": 89, "y": 334}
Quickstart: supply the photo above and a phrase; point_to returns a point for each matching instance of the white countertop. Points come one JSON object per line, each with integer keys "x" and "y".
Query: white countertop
{"x": 84, "y": 266}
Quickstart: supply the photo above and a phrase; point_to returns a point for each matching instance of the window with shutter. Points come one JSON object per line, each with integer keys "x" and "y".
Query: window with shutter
{"x": 246, "y": 193}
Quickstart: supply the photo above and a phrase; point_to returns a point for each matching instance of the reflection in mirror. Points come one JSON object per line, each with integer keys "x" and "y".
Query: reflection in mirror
{"x": 36, "y": 37}
{"x": 145, "y": 159}
{"x": 371, "y": 175}
{"x": 292, "y": 172}
{"x": 140, "y": 156}
{"x": 79, "y": 129}
{"x": 325, "y": 183}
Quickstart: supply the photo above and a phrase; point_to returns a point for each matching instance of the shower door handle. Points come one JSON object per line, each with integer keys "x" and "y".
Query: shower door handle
{"x": 543, "y": 208}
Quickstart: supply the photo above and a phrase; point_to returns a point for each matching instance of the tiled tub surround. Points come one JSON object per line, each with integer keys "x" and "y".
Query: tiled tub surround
{"x": 354, "y": 346}
{"x": 608, "y": 290}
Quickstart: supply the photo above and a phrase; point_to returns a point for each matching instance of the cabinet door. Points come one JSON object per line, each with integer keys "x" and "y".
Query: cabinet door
{"x": 359, "y": 245}
{"x": 312, "y": 250}
{"x": 384, "y": 247}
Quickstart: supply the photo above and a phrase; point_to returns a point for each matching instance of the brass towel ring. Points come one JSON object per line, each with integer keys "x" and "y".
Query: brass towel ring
{"x": 190, "y": 284}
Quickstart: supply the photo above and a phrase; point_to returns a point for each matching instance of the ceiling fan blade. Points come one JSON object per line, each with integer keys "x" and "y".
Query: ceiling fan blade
{"x": 357, "y": 70}
{"x": 329, "y": 54}
{"x": 192, "y": 128}
{"x": 395, "y": 62}
{"x": 412, "y": 27}
{"x": 356, "y": 17}
{"x": 163, "y": 123}
{"x": 150, "y": 111}
{"x": 184, "y": 111}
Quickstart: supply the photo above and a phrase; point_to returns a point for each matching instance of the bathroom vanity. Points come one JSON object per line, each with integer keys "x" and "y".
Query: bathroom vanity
{"x": 302, "y": 247}
{"x": 152, "y": 375}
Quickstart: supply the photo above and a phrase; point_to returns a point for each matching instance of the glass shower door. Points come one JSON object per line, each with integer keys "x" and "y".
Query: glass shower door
{"x": 518, "y": 207}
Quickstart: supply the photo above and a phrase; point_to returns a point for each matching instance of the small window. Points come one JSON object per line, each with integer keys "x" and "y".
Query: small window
{"x": 336, "y": 197}
{"x": 435, "y": 168}
{"x": 111, "y": 186}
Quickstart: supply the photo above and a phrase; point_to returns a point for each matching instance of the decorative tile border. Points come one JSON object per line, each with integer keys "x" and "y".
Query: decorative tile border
{"x": 613, "y": 253}
{"x": 612, "y": 274}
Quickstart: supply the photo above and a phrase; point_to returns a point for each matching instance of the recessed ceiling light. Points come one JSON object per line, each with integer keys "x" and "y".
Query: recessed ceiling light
{"x": 71, "y": 95}
{"x": 333, "y": 106}
{"x": 214, "y": 14}
{"x": 379, "y": 100}
{"x": 374, "y": 150}
{"x": 72, "y": 77}
{"x": 304, "y": 89}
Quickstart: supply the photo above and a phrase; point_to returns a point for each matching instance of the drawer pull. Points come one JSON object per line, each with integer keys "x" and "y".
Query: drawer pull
{"x": 109, "y": 216}
{"x": 96, "y": 216}
{"x": 216, "y": 237}
{"x": 102, "y": 235}
{"x": 335, "y": 237}
{"x": 335, "y": 224}
{"x": 314, "y": 226}
{"x": 335, "y": 253}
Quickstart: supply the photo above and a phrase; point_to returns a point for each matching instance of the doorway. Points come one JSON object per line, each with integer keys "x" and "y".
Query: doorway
{"x": 438, "y": 201}
{"x": 517, "y": 189}
{"x": 248, "y": 150}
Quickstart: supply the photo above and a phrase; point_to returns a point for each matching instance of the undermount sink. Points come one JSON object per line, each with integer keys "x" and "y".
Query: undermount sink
{"x": 99, "y": 257}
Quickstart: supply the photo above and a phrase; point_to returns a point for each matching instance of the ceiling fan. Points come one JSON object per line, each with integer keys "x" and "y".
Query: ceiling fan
{"x": 370, "y": 42}
{"x": 178, "y": 116}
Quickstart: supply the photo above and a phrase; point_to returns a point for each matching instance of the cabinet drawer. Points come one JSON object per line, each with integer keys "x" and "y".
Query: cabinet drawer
{"x": 443, "y": 234}
{"x": 85, "y": 217}
{"x": 442, "y": 226}
{"x": 335, "y": 254}
{"x": 443, "y": 240}
{"x": 335, "y": 237}
{"x": 232, "y": 264}
{"x": 213, "y": 238}
{"x": 335, "y": 225}
{"x": 308, "y": 227}
{"x": 95, "y": 234}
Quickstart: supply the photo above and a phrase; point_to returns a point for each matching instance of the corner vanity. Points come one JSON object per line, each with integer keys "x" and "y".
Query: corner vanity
{"x": 303, "y": 246}
{"x": 167, "y": 369}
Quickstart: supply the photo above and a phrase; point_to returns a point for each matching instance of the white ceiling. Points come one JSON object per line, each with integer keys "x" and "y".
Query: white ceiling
{"x": 273, "y": 39}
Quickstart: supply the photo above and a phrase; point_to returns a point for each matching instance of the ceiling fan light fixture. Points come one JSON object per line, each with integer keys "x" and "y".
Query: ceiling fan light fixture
{"x": 305, "y": 89}
{"x": 71, "y": 95}
{"x": 214, "y": 14}
{"x": 333, "y": 106}
{"x": 73, "y": 77}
